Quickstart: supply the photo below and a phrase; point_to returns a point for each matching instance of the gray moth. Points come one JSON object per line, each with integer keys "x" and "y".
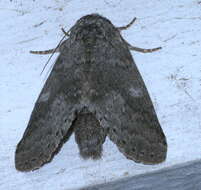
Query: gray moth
{"x": 94, "y": 90}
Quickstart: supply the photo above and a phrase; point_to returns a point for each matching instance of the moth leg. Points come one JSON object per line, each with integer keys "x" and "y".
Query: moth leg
{"x": 58, "y": 48}
{"x": 44, "y": 52}
{"x": 144, "y": 50}
{"x": 51, "y": 51}
{"x": 54, "y": 50}
{"x": 127, "y": 26}
{"x": 89, "y": 135}
{"x": 141, "y": 49}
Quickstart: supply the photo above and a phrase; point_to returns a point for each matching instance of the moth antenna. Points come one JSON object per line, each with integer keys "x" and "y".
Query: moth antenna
{"x": 66, "y": 33}
{"x": 53, "y": 52}
{"x": 127, "y": 26}
{"x": 56, "y": 49}
{"x": 48, "y": 71}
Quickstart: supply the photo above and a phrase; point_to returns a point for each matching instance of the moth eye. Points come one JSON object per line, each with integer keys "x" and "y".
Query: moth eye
{"x": 34, "y": 159}
{"x": 123, "y": 141}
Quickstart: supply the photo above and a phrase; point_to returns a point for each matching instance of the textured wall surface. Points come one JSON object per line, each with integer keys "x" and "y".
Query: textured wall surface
{"x": 172, "y": 77}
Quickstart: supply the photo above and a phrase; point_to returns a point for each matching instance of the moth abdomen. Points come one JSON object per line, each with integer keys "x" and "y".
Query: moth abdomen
{"x": 89, "y": 135}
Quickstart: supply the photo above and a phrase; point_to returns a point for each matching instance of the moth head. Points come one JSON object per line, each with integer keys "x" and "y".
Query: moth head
{"x": 92, "y": 27}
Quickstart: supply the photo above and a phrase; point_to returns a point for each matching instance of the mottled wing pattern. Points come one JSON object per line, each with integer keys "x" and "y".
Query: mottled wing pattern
{"x": 125, "y": 106}
{"x": 50, "y": 120}
{"x": 134, "y": 127}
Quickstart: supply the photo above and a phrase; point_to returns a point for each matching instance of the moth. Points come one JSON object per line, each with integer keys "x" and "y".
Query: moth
{"x": 94, "y": 90}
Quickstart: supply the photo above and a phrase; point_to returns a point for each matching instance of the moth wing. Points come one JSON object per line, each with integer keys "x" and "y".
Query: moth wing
{"x": 50, "y": 121}
{"x": 134, "y": 126}
{"x": 125, "y": 107}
